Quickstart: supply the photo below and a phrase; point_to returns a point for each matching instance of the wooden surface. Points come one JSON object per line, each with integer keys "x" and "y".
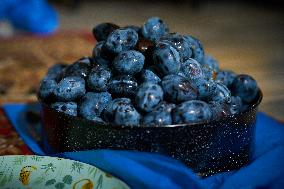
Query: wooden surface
{"x": 25, "y": 59}
{"x": 244, "y": 38}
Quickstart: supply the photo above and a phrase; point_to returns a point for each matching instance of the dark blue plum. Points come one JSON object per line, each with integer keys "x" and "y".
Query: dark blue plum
{"x": 120, "y": 111}
{"x": 178, "y": 89}
{"x": 221, "y": 94}
{"x": 192, "y": 111}
{"x": 98, "y": 79}
{"x": 148, "y": 96}
{"x": 47, "y": 88}
{"x": 80, "y": 68}
{"x": 196, "y": 48}
{"x": 98, "y": 120}
{"x": 180, "y": 44}
{"x": 86, "y": 60}
{"x": 236, "y": 104}
{"x": 226, "y": 77}
{"x": 145, "y": 46}
{"x": 157, "y": 118}
{"x": 55, "y": 71}
{"x": 69, "y": 108}
{"x": 70, "y": 88}
{"x": 123, "y": 86}
{"x": 154, "y": 28}
{"x": 210, "y": 67}
{"x": 245, "y": 87}
{"x": 99, "y": 60}
{"x": 136, "y": 28}
{"x": 102, "y": 30}
{"x": 148, "y": 75}
{"x": 121, "y": 40}
{"x": 180, "y": 73}
{"x": 128, "y": 62}
{"x": 205, "y": 87}
{"x": 166, "y": 59}
{"x": 164, "y": 106}
{"x": 92, "y": 104}
{"x": 219, "y": 110}
{"x": 191, "y": 69}
{"x": 161, "y": 115}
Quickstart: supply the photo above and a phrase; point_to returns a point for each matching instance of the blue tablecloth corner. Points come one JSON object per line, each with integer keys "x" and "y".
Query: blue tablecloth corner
{"x": 146, "y": 170}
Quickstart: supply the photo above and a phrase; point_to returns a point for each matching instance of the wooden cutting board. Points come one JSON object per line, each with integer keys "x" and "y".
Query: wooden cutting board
{"x": 25, "y": 59}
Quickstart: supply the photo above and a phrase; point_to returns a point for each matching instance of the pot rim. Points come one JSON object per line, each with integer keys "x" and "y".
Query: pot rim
{"x": 211, "y": 122}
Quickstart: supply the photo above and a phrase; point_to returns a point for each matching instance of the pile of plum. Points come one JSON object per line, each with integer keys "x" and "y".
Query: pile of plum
{"x": 146, "y": 76}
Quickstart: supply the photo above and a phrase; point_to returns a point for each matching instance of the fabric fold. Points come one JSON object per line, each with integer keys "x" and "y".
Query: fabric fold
{"x": 147, "y": 170}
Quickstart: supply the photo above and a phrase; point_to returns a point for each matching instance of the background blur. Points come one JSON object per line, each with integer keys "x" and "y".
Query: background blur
{"x": 245, "y": 36}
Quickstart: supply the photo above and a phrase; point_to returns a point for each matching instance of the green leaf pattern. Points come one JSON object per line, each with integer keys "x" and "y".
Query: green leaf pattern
{"x": 48, "y": 167}
{"x": 37, "y": 158}
{"x": 59, "y": 185}
{"x": 100, "y": 182}
{"x": 67, "y": 179}
{"x": 50, "y": 182}
{"x": 19, "y": 160}
{"x": 76, "y": 166}
{"x": 51, "y": 173}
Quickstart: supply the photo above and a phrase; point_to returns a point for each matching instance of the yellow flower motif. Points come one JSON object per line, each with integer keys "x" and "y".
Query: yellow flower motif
{"x": 84, "y": 183}
{"x": 25, "y": 174}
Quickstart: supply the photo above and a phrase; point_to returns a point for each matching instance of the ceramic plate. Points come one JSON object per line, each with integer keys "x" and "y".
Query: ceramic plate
{"x": 50, "y": 172}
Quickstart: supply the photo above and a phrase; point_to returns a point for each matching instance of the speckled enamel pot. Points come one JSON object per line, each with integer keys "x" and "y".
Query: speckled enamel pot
{"x": 207, "y": 148}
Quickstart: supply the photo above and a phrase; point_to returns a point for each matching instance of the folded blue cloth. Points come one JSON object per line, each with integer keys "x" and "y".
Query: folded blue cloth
{"x": 146, "y": 170}
{"x": 35, "y": 16}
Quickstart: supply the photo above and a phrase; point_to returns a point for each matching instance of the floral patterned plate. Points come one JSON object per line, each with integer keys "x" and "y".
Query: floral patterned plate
{"x": 31, "y": 171}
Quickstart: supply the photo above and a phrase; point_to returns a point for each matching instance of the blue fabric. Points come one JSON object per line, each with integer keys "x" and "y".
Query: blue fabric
{"x": 35, "y": 16}
{"x": 145, "y": 170}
